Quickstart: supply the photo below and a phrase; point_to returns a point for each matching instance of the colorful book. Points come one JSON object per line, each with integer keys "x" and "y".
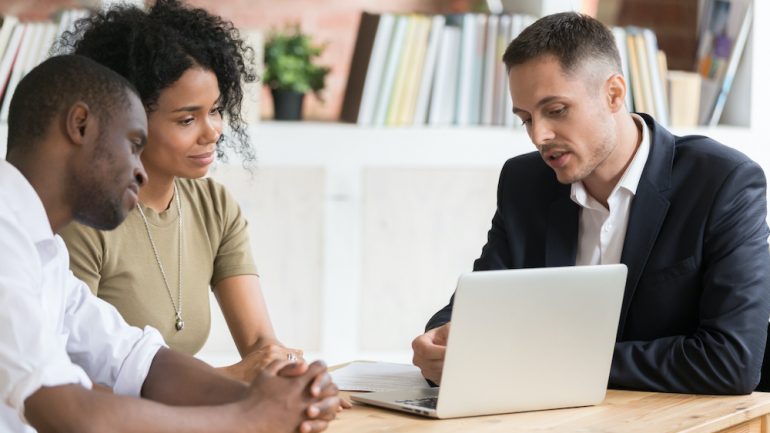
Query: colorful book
{"x": 500, "y": 91}
{"x": 657, "y": 85}
{"x": 9, "y": 23}
{"x": 376, "y": 68}
{"x": 477, "y": 80}
{"x": 429, "y": 70}
{"x": 395, "y": 105}
{"x": 405, "y": 114}
{"x": 31, "y": 35}
{"x": 644, "y": 70}
{"x": 684, "y": 98}
{"x": 391, "y": 67}
{"x": 635, "y": 75}
{"x": 444, "y": 90}
{"x": 467, "y": 84}
{"x": 359, "y": 66}
{"x": 620, "y": 42}
{"x": 10, "y": 55}
{"x": 722, "y": 41}
{"x": 518, "y": 23}
{"x": 488, "y": 73}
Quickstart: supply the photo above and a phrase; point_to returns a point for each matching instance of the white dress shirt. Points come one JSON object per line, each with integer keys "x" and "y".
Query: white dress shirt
{"x": 602, "y": 231}
{"x": 53, "y": 330}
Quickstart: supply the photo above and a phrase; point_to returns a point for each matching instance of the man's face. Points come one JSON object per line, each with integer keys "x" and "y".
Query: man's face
{"x": 566, "y": 116}
{"x": 108, "y": 178}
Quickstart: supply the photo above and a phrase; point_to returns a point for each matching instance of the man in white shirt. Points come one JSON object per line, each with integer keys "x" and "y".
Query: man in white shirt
{"x": 687, "y": 216}
{"x": 75, "y": 133}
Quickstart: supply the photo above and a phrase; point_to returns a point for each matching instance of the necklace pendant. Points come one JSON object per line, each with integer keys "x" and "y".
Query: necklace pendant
{"x": 179, "y": 323}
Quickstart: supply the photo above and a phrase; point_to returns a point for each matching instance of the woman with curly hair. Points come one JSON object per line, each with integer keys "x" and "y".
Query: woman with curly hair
{"x": 187, "y": 233}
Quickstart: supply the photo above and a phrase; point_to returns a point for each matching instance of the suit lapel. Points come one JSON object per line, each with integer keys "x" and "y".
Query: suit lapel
{"x": 647, "y": 214}
{"x": 648, "y": 211}
{"x": 562, "y": 231}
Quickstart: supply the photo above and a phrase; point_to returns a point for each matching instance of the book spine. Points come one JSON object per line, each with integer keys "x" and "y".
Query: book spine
{"x": 375, "y": 72}
{"x": 429, "y": 71}
{"x": 359, "y": 66}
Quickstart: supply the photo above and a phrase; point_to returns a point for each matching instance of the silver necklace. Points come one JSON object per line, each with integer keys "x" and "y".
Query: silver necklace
{"x": 179, "y": 323}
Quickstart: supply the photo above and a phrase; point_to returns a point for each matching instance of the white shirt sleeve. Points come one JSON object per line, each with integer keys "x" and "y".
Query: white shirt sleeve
{"x": 32, "y": 352}
{"x": 111, "y": 351}
{"x": 54, "y": 331}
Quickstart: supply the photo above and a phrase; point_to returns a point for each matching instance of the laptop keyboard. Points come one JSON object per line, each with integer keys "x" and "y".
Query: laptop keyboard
{"x": 427, "y": 402}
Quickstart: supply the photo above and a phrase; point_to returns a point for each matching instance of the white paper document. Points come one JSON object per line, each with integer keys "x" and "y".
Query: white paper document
{"x": 378, "y": 376}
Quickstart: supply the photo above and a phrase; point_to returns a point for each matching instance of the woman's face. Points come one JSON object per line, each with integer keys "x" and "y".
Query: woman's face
{"x": 185, "y": 126}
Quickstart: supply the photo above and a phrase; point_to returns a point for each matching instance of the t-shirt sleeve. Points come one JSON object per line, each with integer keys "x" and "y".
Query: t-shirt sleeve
{"x": 85, "y": 248}
{"x": 233, "y": 256}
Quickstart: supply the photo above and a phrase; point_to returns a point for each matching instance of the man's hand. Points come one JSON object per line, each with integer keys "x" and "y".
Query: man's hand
{"x": 289, "y": 397}
{"x": 429, "y": 352}
{"x": 322, "y": 386}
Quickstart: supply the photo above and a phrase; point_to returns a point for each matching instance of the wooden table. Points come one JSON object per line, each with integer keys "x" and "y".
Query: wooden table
{"x": 621, "y": 411}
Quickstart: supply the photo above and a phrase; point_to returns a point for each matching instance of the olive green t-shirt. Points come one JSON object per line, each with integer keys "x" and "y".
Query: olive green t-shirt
{"x": 120, "y": 267}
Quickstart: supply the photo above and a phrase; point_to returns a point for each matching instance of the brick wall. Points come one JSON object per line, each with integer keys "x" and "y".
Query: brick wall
{"x": 674, "y": 22}
{"x": 34, "y": 9}
{"x": 333, "y": 23}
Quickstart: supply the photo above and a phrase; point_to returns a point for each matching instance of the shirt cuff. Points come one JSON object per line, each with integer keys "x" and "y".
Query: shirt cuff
{"x": 137, "y": 364}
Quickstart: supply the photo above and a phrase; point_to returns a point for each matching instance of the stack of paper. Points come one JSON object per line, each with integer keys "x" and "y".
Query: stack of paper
{"x": 378, "y": 376}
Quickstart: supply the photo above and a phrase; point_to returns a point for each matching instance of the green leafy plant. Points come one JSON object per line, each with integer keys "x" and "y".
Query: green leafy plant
{"x": 289, "y": 57}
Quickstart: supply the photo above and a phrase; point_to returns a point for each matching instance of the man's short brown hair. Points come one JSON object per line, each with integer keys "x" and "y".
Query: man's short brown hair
{"x": 571, "y": 37}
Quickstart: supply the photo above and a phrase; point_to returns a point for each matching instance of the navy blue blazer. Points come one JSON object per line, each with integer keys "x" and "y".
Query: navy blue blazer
{"x": 697, "y": 299}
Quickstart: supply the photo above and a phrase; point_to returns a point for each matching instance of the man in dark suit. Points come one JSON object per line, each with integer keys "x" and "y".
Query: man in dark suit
{"x": 687, "y": 215}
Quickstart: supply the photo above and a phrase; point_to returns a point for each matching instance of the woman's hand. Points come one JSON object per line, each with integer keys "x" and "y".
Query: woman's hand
{"x": 259, "y": 358}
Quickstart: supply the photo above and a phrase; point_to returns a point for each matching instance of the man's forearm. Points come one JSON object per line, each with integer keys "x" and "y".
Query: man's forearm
{"x": 72, "y": 408}
{"x": 700, "y": 364}
{"x": 181, "y": 380}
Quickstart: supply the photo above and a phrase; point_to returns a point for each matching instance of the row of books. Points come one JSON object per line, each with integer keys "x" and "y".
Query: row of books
{"x": 436, "y": 70}
{"x": 24, "y": 45}
{"x": 724, "y": 31}
{"x": 687, "y": 98}
{"x": 644, "y": 67}
{"x": 447, "y": 69}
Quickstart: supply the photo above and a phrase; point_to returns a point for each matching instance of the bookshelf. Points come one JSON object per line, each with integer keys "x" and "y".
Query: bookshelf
{"x": 360, "y": 232}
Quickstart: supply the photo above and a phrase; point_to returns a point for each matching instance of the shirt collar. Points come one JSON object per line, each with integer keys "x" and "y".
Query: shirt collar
{"x": 633, "y": 174}
{"x": 17, "y": 193}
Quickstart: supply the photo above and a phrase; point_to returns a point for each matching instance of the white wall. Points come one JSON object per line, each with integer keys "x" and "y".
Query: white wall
{"x": 376, "y": 224}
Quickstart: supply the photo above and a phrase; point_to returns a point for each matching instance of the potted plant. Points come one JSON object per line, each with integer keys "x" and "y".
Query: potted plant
{"x": 290, "y": 71}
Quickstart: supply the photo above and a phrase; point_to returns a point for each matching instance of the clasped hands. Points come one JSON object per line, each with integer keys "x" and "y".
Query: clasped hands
{"x": 294, "y": 395}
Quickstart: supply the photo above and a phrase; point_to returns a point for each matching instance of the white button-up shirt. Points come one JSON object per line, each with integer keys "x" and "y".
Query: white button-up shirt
{"x": 53, "y": 330}
{"x": 602, "y": 231}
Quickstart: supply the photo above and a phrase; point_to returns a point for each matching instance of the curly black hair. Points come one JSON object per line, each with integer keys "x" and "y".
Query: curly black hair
{"x": 153, "y": 49}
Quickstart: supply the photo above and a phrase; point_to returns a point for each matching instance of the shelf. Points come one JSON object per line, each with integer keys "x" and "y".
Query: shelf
{"x": 337, "y": 144}
{"x": 310, "y": 143}
{"x": 314, "y": 143}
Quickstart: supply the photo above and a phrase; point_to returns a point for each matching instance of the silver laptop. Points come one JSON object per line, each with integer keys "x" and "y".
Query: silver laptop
{"x": 523, "y": 340}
